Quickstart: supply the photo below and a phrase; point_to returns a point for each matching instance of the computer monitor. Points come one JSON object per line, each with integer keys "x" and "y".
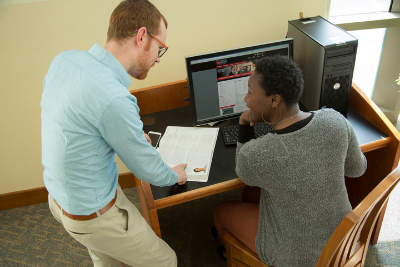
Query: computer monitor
{"x": 217, "y": 81}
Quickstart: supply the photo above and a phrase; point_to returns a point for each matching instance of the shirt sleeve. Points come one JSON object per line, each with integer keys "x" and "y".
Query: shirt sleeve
{"x": 356, "y": 163}
{"x": 245, "y": 133}
{"x": 122, "y": 129}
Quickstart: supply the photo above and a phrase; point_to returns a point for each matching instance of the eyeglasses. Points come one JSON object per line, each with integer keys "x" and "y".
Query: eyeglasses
{"x": 162, "y": 51}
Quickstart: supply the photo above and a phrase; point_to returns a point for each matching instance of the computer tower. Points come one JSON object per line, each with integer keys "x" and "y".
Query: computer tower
{"x": 326, "y": 54}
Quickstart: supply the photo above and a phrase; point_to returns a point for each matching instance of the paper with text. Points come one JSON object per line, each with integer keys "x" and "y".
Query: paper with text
{"x": 191, "y": 145}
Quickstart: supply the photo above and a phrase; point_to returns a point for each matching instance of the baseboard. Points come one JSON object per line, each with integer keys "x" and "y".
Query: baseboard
{"x": 39, "y": 195}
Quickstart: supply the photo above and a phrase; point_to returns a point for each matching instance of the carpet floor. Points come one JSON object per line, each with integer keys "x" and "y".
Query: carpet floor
{"x": 30, "y": 236}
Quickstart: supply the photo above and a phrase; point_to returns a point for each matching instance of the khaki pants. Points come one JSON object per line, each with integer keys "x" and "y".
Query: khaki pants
{"x": 119, "y": 235}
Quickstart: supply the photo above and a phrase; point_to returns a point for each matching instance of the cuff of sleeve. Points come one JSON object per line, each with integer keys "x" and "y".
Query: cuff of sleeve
{"x": 176, "y": 176}
{"x": 174, "y": 179}
{"x": 246, "y": 133}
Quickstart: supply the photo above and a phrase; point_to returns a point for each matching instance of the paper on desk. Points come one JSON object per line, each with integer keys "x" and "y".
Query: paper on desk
{"x": 191, "y": 145}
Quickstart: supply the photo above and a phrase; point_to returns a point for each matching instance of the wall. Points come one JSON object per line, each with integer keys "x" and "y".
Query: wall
{"x": 386, "y": 94}
{"x": 385, "y": 90}
{"x": 32, "y": 34}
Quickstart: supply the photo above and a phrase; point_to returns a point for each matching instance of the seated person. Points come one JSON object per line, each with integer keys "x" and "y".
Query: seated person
{"x": 232, "y": 72}
{"x": 253, "y": 66}
{"x": 241, "y": 70}
{"x": 296, "y": 194}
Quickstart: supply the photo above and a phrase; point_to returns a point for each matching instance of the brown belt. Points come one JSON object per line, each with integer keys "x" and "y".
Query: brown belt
{"x": 90, "y": 216}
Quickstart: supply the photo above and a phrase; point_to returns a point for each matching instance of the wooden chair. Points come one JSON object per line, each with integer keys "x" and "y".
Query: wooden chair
{"x": 348, "y": 244}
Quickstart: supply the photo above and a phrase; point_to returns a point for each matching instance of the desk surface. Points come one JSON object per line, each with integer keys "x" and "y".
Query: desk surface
{"x": 223, "y": 163}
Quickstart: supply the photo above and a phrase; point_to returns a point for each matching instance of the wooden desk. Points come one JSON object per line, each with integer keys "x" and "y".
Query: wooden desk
{"x": 382, "y": 154}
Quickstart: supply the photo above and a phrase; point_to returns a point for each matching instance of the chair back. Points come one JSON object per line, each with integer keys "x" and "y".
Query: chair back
{"x": 347, "y": 246}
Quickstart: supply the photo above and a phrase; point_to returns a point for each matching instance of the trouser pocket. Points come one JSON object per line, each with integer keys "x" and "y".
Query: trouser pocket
{"x": 122, "y": 218}
{"x": 79, "y": 230}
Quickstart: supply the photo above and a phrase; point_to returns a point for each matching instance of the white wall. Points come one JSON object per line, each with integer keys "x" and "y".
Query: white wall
{"x": 32, "y": 34}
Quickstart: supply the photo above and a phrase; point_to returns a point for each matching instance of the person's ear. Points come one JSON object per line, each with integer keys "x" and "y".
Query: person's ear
{"x": 276, "y": 99}
{"x": 140, "y": 37}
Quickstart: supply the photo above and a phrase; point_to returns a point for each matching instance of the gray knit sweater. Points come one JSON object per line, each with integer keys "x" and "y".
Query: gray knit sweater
{"x": 303, "y": 194}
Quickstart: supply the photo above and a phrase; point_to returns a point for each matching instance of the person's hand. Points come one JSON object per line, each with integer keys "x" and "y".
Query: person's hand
{"x": 245, "y": 118}
{"x": 180, "y": 170}
{"x": 147, "y": 138}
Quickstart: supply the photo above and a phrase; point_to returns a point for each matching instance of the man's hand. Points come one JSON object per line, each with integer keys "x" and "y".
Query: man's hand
{"x": 180, "y": 170}
{"x": 147, "y": 138}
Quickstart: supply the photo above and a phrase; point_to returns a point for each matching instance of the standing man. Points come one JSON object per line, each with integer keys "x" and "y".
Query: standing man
{"x": 88, "y": 115}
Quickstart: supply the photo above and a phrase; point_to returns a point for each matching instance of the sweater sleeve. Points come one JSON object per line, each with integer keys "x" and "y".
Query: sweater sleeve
{"x": 243, "y": 168}
{"x": 356, "y": 163}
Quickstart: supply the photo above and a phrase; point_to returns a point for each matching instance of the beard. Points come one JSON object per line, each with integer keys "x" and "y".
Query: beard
{"x": 142, "y": 69}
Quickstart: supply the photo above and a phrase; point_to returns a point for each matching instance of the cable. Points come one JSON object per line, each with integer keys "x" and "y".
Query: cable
{"x": 186, "y": 99}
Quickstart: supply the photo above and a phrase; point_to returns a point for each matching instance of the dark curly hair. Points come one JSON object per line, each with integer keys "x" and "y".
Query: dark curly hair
{"x": 281, "y": 75}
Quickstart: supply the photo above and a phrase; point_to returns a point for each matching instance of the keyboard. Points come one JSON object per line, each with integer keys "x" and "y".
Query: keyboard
{"x": 230, "y": 133}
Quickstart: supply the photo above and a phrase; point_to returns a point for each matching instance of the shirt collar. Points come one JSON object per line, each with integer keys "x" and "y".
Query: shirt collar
{"x": 110, "y": 61}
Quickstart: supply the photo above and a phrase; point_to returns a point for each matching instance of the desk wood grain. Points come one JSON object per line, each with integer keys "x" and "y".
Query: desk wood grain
{"x": 161, "y": 97}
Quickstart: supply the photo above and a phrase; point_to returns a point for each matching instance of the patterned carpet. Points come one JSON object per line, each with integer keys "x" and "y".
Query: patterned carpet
{"x": 30, "y": 236}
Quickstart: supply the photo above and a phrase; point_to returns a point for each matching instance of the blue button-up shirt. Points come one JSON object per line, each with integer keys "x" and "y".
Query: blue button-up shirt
{"x": 88, "y": 115}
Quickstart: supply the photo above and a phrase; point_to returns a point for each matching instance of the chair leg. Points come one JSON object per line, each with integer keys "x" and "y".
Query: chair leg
{"x": 229, "y": 254}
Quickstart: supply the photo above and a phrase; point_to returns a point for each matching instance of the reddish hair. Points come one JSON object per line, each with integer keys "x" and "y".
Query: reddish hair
{"x": 131, "y": 15}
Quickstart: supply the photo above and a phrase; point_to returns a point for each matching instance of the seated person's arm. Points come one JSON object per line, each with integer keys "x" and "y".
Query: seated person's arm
{"x": 356, "y": 163}
{"x": 246, "y": 130}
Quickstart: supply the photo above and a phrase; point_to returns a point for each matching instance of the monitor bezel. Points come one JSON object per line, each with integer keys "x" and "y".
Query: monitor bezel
{"x": 189, "y": 58}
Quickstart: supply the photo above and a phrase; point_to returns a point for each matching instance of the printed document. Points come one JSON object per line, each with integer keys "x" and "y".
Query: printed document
{"x": 191, "y": 145}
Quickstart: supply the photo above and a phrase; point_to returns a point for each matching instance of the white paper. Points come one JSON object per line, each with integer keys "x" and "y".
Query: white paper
{"x": 191, "y": 145}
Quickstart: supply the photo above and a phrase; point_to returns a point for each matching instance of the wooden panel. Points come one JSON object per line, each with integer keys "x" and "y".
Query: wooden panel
{"x": 126, "y": 180}
{"x": 198, "y": 193}
{"x": 238, "y": 254}
{"x": 39, "y": 195}
{"x": 375, "y": 145}
{"x": 380, "y": 161}
{"x": 149, "y": 208}
{"x": 143, "y": 202}
{"x": 369, "y": 110}
{"x": 161, "y": 97}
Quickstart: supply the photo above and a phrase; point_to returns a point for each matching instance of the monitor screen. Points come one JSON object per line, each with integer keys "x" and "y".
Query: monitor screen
{"x": 217, "y": 81}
